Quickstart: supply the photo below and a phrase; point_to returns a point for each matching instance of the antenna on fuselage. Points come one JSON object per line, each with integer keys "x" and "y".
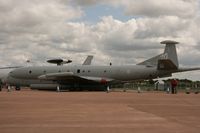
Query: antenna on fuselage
{"x": 59, "y": 62}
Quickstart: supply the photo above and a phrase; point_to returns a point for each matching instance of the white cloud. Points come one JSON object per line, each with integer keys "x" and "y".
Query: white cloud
{"x": 154, "y": 8}
{"x": 27, "y": 26}
{"x": 150, "y": 8}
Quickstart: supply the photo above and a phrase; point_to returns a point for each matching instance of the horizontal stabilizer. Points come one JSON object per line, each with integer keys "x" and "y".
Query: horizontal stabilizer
{"x": 166, "y": 64}
{"x": 151, "y": 62}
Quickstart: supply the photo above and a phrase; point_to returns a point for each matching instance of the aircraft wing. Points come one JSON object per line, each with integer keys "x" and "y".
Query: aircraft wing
{"x": 10, "y": 67}
{"x": 70, "y": 77}
{"x": 54, "y": 76}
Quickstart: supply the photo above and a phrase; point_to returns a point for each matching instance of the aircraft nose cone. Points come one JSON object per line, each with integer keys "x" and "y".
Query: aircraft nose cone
{"x": 12, "y": 73}
{"x": 18, "y": 73}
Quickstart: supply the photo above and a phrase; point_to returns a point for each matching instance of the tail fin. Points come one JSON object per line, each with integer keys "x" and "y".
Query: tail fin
{"x": 88, "y": 60}
{"x": 168, "y": 60}
{"x": 165, "y": 61}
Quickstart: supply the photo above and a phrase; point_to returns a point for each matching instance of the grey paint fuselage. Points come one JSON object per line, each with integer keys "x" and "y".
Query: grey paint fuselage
{"x": 29, "y": 75}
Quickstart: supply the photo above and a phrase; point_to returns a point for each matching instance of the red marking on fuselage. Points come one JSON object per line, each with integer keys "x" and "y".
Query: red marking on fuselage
{"x": 103, "y": 81}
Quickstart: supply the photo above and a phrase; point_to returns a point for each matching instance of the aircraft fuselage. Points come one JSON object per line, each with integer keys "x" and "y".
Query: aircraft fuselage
{"x": 29, "y": 75}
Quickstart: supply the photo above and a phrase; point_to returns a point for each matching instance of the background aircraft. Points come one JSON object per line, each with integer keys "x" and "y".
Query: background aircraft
{"x": 77, "y": 77}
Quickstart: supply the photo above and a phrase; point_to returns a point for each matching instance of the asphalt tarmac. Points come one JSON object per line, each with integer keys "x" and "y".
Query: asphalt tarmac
{"x": 29, "y": 111}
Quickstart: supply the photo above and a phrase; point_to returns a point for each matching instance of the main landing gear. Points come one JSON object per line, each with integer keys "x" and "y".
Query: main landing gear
{"x": 108, "y": 89}
{"x": 58, "y": 88}
{"x": 17, "y": 88}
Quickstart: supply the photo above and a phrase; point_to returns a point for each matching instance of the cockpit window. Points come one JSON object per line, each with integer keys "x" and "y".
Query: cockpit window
{"x": 78, "y": 71}
{"x": 30, "y": 71}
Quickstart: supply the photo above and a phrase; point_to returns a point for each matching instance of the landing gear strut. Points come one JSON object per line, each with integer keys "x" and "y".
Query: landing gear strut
{"x": 58, "y": 88}
{"x": 108, "y": 89}
{"x": 17, "y": 88}
{"x": 9, "y": 88}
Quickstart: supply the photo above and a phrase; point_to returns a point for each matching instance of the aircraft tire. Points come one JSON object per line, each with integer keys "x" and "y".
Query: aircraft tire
{"x": 17, "y": 88}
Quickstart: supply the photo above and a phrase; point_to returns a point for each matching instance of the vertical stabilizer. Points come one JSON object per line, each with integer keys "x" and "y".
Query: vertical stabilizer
{"x": 88, "y": 60}
{"x": 165, "y": 61}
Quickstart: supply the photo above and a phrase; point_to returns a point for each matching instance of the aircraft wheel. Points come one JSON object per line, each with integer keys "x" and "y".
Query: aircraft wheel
{"x": 17, "y": 88}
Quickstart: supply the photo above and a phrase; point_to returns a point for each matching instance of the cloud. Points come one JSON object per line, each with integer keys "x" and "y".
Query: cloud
{"x": 150, "y": 8}
{"x": 153, "y": 8}
{"x": 167, "y": 26}
{"x": 85, "y": 2}
{"x": 35, "y": 16}
{"x": 27, "y": 26}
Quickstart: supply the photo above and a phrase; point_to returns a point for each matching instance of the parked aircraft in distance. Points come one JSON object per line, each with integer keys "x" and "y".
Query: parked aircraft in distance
{"x": 78, "y": 77}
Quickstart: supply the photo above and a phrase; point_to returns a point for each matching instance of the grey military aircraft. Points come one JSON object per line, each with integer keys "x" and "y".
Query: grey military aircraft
{"x": 77, "y": 77}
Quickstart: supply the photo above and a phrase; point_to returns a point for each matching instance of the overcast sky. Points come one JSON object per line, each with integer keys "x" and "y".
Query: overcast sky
{"x": 117, "y": 31}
